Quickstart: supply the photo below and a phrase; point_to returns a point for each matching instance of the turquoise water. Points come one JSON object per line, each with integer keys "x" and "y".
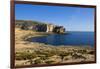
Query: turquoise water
{"x": 70, "y": 38}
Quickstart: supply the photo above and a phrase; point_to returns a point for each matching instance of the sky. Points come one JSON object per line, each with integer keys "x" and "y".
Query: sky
{"x": 72, "y": 18}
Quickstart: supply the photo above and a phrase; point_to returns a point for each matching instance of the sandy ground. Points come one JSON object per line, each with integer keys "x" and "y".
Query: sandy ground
{"x": 61, "y": 54}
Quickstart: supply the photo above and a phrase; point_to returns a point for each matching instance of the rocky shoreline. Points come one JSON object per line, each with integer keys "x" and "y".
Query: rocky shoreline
{"x": 28, "y": 53}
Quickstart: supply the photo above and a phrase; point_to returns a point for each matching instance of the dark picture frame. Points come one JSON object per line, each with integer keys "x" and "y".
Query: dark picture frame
{"x": 12, "y": 34}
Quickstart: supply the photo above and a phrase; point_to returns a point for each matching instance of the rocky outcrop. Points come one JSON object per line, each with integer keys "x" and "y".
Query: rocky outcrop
{"x": 59, "y": 29}
{"x": 50, "y": 28}
{"x": 39, "y": 27}
{"x": 55, "y": 29}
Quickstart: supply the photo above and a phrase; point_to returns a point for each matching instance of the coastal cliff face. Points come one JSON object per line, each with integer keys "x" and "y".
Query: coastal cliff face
{"x": 50, "y": 27}
{"x": 59, "y": 29}
{"x": 54, "y": 28}
{"x": 38, "y": 26}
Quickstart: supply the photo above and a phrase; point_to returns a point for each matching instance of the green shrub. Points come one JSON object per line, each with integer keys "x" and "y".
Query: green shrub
{"x": 49, "y": 62}
{"x": 46, "y": 53}
{"x": 76, "y": 56}
{"x": 37, "y": 61}
{"x": 43, "y": 57}
{"x": 25, "y": 56}
{"x": 91, "y": 52}
{"x": 66, "y": 59}
{"x": 82, "y": 51}
{"x": 63, "y": 54}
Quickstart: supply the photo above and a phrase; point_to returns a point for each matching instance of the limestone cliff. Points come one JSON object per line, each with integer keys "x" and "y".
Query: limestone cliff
{"x": 39, "y": 26}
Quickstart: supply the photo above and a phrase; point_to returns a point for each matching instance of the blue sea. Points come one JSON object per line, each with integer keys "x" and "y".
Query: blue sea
{"x": 70, "y": 38}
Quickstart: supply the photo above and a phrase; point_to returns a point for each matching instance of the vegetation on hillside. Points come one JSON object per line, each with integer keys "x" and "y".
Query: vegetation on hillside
{"x": 28, "y": 23}
{"x": 40, "y": 56}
